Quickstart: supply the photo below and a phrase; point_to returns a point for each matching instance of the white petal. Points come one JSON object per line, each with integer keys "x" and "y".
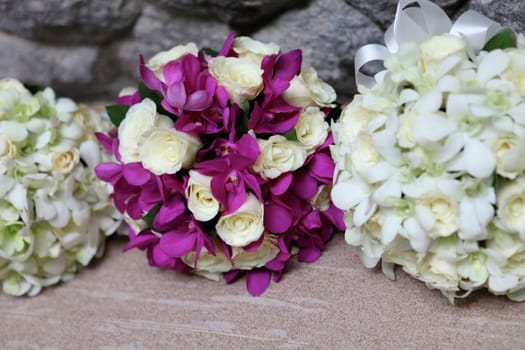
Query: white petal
{"x": 449, "y": 84}
{"x": 43, "y": 139}
{"x": 469, "y": 225}
{"x": 90, "y": 153}
{"x": 6, "y": 183}
{"x": 481, "y": 111}
{"x": 431, "y": 128}
{"x": 379, "y": 172}
{"x": 518, "y": 113}
{"x": 388, "y": 190}
{"x": 390, "y": 227}
{"x": 407, "y": 95}
{"x": 353, "y": 236}
{"x": 425, "y": 217}
{"x": 384, "y": 142}
{"x": 14, "y": 131}
{"x": 447, "y": 65}
{"x": 365, "y": 209}
{"x": 450, "y": 149}
{"x": 346, "y": 195}
{"x": 500, "y": 284}
{"x": 430, "y": 102}
{"x": 492, "y": 65}
{"x": 44, "y": 209}
{"x": 478, "y": 158}
{"x": 71, "y": 131}
{"x": 415, "y": 234}
{"x": 62, "y": 217}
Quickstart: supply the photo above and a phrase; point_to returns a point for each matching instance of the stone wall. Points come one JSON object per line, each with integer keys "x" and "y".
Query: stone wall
{"x": 88, "y": 49}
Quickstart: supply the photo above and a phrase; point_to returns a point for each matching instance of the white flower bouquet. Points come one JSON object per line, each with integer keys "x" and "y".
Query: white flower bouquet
{"x": 54, "y": 212}
{"x": 430, "y": 161}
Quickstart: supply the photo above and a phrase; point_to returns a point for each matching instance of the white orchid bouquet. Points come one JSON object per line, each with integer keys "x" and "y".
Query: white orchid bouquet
{"x": 54, "y": 212}
{"x": 430, "y": 165}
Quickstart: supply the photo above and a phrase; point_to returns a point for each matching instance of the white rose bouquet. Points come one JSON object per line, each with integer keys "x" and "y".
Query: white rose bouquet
{"x": 430, "y": 161}
{"x": 54, "y": 213}
{"x": 222, "y": 164}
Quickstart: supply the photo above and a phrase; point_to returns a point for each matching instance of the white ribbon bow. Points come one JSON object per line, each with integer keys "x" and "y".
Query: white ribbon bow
{"x": 416, "y": 24}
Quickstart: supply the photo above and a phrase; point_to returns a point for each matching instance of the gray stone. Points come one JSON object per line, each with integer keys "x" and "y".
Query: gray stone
{"x": 329, "y": 32}
{"x": 244, "y": 13}
{"x": 69, "y": 69}
{"x": 72, "y": 21}
{"x": 382, "y": 12}
{"x": 157, "y": 30}
{"x": 509, "y": 13}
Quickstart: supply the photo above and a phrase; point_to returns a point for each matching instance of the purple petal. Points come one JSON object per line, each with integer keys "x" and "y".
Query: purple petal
{"x": 231, "y": 276}
{"x": 135, "y": 174}
{"x": 226, "y": 47}
{"x": 132, "y": 207}
{"x": 169, "y": 213}
{"x": 106, "y": 141}
{"x": 173, "y": 73}
{"x": 129, "y": 100}
{"x": 257, "y": 281}
{"x": 288, "y": 65}
{"x": 158, "y": 258}
{"x": 149, "y": 79}
{"x": 281, "y": 185}
{"x": 141, "y": 241}
{"x": 252, "y": 247}
{"x": 304, "y": 186}
{"x": 309, "y": 255}
{"x": 109, "y": 172}
{"x": 176, "y": 95}
{"x": 276, "y": 218}
{"x": 177, "y": 244}
{"x": 336, "y": 217}
{"x": 322, "y": 167}
{"x": 198, "y": 101}
{"x": 247, "y": 147}
{"x": 312, "y": 221}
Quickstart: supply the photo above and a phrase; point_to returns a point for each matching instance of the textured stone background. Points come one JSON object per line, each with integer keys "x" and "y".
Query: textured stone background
{"x": 88, "y": 49}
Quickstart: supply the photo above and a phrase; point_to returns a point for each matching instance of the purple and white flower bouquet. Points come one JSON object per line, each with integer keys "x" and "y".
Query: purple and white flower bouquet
{"x": 222, "y": 164}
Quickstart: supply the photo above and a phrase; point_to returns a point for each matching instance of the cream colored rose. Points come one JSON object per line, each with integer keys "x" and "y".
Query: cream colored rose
{"x": 157, "y": 62}
{"x": 439, "y": 273}
{"x": 405, "y": 132}
{"x": 435, "y": 49}
{"x": 266, "y": 252}
{"x": 509, "y": 152}
{"x": 253, "y": 50}
{"x": 166, "y": 151}
{"x": 510, "y": 201}
{"x": 364, "y": 154}
{"x": 241, "y": 78}
{"x": 208, "y": 265}
{"x": 515, "y": 72}
{"x": 7, "y": 148}
{"x": 354, "y": 119}
{"x": 441, "y": 211}
{"x": 200, "y": 199}
{"x": 278, "y": 156}
{"x": 64, "y": 161}
{"x": 311, "y": 128}
{"x": 139, "y": 119}
{"x": 244, "y": 226}
{"x": 321, "y": 200}
{"x": 307, "y": 89}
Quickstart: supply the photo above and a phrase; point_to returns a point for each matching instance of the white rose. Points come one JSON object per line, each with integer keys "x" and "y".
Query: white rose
{"x": 241, "y": 78}
{"x": 253, "y": 50}
{"x": 439, "y": 273}
{"x": 166, "y": 151}
{"x": 364, "y": 154}
{"x": 157, "y": 62}
{"x": 208, "y": 265}
{"x": 64, "y": 161}
{"x": 266, "y": 252}
{"x": 139, "y": 119}
{"x": 311, "y": 128}
{"x": 7, "y": 148}
{"x": 278, "y": 156}
{"x": 244, "y": 226}
{"x": 510, "y": 201}
{"x": 354, "y": 119}
{"x": 515, "y": 72}
{"x": 405, "y": 133}
{"x": 200, "y": 199}
{"x": 435, "y": 49}
{"x": 307, "y": 89}
{"x": 509, "y": 156}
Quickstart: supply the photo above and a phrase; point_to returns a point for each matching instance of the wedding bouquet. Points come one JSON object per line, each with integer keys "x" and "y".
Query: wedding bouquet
{"x": 222, "y": 161}
{"x": 430, "y": 161}
{"x": 54, "y": 213}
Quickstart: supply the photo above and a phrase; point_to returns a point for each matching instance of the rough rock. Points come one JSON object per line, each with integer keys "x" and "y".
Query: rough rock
{"x": 329, "y": 32}
{"x": 71, "y": 21}
{"x": 510, "y": 13}
{"x": 382, "y": 12}
{"x": 69, "y": 69}
{"x": 244, "y": 13}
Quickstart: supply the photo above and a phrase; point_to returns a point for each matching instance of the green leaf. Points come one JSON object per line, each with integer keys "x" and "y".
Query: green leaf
{"x": 291, "y": 135}
{"x": 148, "y": 218}
{"x": 117, "y": 113}
{"x": 210, "y": 52}
{"x": 156, "y": 97}
{"x": 34, "y": 88}
{"x": 504, "y": 39}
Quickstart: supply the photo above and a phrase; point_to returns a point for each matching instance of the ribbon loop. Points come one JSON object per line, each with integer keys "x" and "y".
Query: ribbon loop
{"x": 418, "y": 20}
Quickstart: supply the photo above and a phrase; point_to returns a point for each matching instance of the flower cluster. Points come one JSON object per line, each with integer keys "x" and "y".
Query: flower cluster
{"x": 54, "y": 212}
{"x": 430, "y": 167}
{"x": 222, "y": 161}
